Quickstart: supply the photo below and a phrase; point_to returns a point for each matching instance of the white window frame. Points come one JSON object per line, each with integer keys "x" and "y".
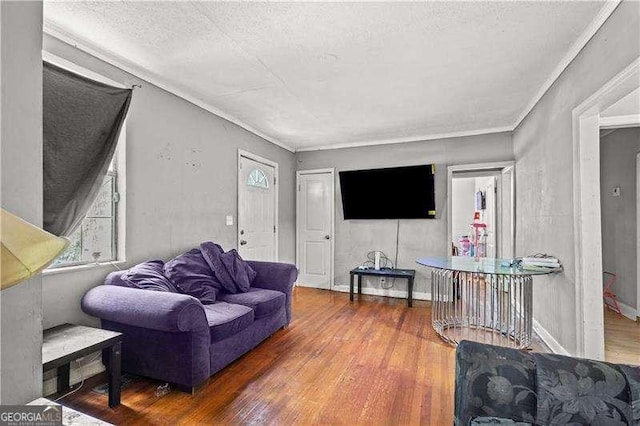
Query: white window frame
{"x": 119, "y": 220}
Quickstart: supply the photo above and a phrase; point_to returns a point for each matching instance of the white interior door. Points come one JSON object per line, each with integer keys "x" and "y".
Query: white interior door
{"x": 315, "y": 206}
{"x": 257, "y": 209}
{"x": 490, "y": 215}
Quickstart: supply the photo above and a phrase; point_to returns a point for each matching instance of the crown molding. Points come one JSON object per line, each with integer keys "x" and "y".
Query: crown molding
{"x": 421, "y": 138}
{"x": 589, "y": 32}
{"x": 62, "y": 35}
{"x": 121, "y": 63}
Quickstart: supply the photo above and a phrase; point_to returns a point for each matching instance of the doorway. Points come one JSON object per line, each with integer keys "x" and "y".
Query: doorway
{"x": 315, "y": 227}
{"x": 257, "y": 207}
{"x": 587, "y": 123}
{"x": 619, "y": 213}
{"x": 485, "y": 190}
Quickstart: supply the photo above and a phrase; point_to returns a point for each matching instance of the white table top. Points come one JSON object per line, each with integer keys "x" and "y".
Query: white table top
{"x": 68, "y": 339}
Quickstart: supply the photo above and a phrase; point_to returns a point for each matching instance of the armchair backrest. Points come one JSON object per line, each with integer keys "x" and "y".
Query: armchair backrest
{"x": 537, "y": 388}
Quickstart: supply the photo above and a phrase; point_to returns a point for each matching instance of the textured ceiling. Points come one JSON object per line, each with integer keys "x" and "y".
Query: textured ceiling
{"x": 319, "y": 74}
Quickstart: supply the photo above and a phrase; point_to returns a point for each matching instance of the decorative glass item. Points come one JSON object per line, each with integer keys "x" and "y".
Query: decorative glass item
{"x": 258, "y": 179}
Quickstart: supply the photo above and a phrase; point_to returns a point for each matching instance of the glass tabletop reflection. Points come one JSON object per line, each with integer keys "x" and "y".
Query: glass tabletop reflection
{"x": 483, "y": 265}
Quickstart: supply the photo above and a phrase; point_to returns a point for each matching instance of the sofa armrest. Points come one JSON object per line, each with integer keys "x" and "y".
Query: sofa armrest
{"x": 155, "y": 310}
{"x": 276, "y": 276}
{"x": 486, "y": 376}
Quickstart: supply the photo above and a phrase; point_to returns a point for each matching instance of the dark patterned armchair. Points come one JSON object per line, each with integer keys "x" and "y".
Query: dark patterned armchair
{"x": 496, "y": 385}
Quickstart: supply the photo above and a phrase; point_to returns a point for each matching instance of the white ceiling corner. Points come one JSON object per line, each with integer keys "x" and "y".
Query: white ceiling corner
{"x": 607, "y": 9}
{"x": 326, "y": 75}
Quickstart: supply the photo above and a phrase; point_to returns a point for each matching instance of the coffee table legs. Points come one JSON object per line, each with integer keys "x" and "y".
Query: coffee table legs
{"x": 410, "y": 292}
{"x": 351, "y": 288}
{"x": 351, "y": 285}
{"x": 63, "y": 378}
{"x": 113, "y": 355}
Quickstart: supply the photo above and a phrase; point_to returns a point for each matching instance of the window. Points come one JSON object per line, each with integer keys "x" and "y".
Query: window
{"x": 95, "y": 240}
{"x": 258, "y": 179}
{"x": 101, "y": 235}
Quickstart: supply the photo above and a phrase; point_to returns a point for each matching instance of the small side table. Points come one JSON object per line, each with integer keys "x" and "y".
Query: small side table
{"x": 66, "y": 342}
{"x": 409, "y": 274}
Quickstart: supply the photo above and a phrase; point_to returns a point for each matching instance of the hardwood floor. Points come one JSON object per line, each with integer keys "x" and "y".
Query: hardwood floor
{"x": 621, "y": 339}
{"x": 373, "y": 361}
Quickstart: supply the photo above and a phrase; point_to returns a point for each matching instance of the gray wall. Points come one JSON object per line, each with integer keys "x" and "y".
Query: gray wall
{"x": 543, "y": 150}
{"x": 417, "y": 237}
{"x": 21, "y": 189}
{"x": 618, "y": 169}
{"x": 181, "y": 167}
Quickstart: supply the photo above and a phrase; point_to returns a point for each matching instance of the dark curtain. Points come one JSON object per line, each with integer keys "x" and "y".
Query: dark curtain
{"x": 82, "y": 119}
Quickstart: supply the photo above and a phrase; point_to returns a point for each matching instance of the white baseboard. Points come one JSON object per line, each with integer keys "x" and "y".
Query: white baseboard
{"x": 627, "y": 311}
{"x": 90, "y": 367}
{"x": 548, "y": 339}
{"x": 391, "y": 292}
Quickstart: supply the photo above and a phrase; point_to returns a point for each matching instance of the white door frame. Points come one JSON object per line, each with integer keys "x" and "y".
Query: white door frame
{"x": 586, "y": 123}
{"x": 332, "y": 172}
{"x": 254, "y": 157}
{"x": 637, "y": 318}
{"x": 479, "y": 167}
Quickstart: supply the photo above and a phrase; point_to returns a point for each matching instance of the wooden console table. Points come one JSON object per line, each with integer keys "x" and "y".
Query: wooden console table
{"x": 66, "y": 342}
{"x": 409, "y": 274}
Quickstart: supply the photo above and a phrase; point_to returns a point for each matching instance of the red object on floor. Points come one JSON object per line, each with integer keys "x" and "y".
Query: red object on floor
{"x": 610, "y": 300}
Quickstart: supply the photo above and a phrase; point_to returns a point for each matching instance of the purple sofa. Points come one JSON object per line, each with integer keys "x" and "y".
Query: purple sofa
{"x": 175, "y": 338}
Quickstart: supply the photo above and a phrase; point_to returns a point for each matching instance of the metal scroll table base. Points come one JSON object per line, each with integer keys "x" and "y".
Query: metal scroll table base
{"x": 488, "y": 308}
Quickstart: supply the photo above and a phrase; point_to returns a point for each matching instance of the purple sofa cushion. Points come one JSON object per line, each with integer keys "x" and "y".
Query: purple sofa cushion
{"x": 148, "y": 276}
{"x": 227, "y": 319}
{"x": 263, "y": 302}
{"x": 191, "y": 274}
{"x": 230, "y": 269}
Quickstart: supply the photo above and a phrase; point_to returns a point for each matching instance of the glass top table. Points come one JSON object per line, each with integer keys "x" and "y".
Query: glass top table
{"x": 481, "y": 299}
{"x": 483, "y": 265}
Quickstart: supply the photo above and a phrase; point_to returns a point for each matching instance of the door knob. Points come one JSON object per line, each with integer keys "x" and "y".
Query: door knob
{"x": 327, "y": 237}
{"x": 242, "y": 242}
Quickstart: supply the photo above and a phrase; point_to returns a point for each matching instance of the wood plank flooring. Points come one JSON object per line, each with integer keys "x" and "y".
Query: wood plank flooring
{"x": 373, "y": 361}
{"x": 621, "y": 339}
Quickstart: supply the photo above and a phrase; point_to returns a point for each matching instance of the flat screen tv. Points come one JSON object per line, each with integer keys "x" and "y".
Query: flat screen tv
{"x": 392, "y": 193}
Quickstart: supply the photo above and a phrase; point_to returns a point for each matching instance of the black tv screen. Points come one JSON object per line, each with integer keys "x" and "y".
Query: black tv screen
{"x": 393, "y": 193}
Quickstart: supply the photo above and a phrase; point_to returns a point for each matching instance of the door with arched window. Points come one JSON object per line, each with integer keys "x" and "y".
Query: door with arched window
{"x": 257, "y": 208}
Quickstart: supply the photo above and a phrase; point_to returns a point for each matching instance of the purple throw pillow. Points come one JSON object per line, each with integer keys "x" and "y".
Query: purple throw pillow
{"x": 191, "y": 274}
{"x": 149, "y": 276}
{"x": 231, "y": 270}
{"x": 211, "y": 253}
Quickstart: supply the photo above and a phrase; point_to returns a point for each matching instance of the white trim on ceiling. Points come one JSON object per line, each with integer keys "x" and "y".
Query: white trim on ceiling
{"x": 604, "y": 13}
{"x": 139, "y": 72}
{"x": 409, "y": 139}
{"x": 620, "y": 121}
